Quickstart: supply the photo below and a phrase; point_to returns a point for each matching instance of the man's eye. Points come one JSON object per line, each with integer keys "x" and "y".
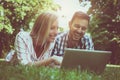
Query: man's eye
{"x": 84, "y": 28}
{"x": 77, "y": 26}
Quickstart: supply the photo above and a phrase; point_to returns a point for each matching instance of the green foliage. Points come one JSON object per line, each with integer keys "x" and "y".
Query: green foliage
{"x": 17, "y": 14}
{"x": 19, "y": 72}
{"x": 60, "y": 29}
{"x": 104, "y": 26}
{"x": 4, "y": 20}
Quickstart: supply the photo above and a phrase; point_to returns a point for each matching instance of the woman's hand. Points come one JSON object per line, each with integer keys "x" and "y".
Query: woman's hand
{"x": 54, "y": 61}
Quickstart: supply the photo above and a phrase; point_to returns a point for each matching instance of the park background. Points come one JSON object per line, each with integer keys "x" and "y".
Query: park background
{"x": 104, "y": 27}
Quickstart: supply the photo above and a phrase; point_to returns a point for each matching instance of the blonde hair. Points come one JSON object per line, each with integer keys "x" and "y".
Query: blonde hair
{"x": 41, "y": 28}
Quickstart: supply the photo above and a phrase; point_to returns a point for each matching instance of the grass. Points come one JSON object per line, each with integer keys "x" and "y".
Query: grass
{"x": 18, "y": 72}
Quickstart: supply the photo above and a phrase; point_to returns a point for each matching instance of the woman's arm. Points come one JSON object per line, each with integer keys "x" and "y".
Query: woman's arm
{"x": 46, "y": 62}
{"x": 21, "y": 48}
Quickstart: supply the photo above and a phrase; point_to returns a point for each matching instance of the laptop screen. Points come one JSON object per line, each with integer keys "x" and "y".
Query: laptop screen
{"x": 93, "y": 60}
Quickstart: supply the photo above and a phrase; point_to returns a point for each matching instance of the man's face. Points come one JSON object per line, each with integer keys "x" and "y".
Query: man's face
{"x": 78, "y": 28}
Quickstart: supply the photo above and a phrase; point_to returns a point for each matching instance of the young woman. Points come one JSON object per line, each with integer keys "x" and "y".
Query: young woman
{"x": 35, "y": 48}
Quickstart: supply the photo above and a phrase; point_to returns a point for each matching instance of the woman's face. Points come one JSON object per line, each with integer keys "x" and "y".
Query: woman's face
{"x": 53, "y": 31}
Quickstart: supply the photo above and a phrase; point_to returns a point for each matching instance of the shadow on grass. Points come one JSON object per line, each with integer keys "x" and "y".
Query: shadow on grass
{"x": 10, "y": 71}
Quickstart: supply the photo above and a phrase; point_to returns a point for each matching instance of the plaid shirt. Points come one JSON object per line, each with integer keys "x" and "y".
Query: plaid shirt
{"x": 62, "y": 40}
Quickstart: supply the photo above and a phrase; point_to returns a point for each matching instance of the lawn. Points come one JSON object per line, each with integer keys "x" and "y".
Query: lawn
{"x": 18, "y": 72}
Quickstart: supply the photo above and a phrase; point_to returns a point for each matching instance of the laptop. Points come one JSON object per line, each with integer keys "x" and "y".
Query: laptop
{"x": 92, "y": 60}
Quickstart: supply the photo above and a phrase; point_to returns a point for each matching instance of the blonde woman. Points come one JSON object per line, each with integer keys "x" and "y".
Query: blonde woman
{"x": 35, "y": 48}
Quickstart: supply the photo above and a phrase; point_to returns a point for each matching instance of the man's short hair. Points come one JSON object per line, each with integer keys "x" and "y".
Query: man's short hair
{"x": 80, "y": 14}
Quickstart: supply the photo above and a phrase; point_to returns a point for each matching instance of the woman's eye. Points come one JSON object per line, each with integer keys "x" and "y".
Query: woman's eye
{"x": 51, "y": 28}
{"x": 54, "y": 27}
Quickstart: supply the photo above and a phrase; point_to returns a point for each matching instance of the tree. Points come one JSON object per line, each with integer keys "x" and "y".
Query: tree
{"x": 104, "y": 26}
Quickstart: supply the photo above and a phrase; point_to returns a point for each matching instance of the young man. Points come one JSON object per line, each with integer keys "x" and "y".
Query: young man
{"x": 75, "y": 37}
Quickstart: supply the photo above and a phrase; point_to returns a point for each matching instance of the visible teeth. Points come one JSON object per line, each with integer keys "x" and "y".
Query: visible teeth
{"x": 77, "y": 34}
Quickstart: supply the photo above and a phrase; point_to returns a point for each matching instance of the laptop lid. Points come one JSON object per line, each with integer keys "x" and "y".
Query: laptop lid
{"x": 93, "y": 60}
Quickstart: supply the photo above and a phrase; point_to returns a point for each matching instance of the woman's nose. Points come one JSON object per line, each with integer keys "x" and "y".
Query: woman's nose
{"x": 56, "y": 31}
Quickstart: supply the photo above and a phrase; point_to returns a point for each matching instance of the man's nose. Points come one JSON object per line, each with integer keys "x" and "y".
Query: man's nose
{"x": 79, "y": 30}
